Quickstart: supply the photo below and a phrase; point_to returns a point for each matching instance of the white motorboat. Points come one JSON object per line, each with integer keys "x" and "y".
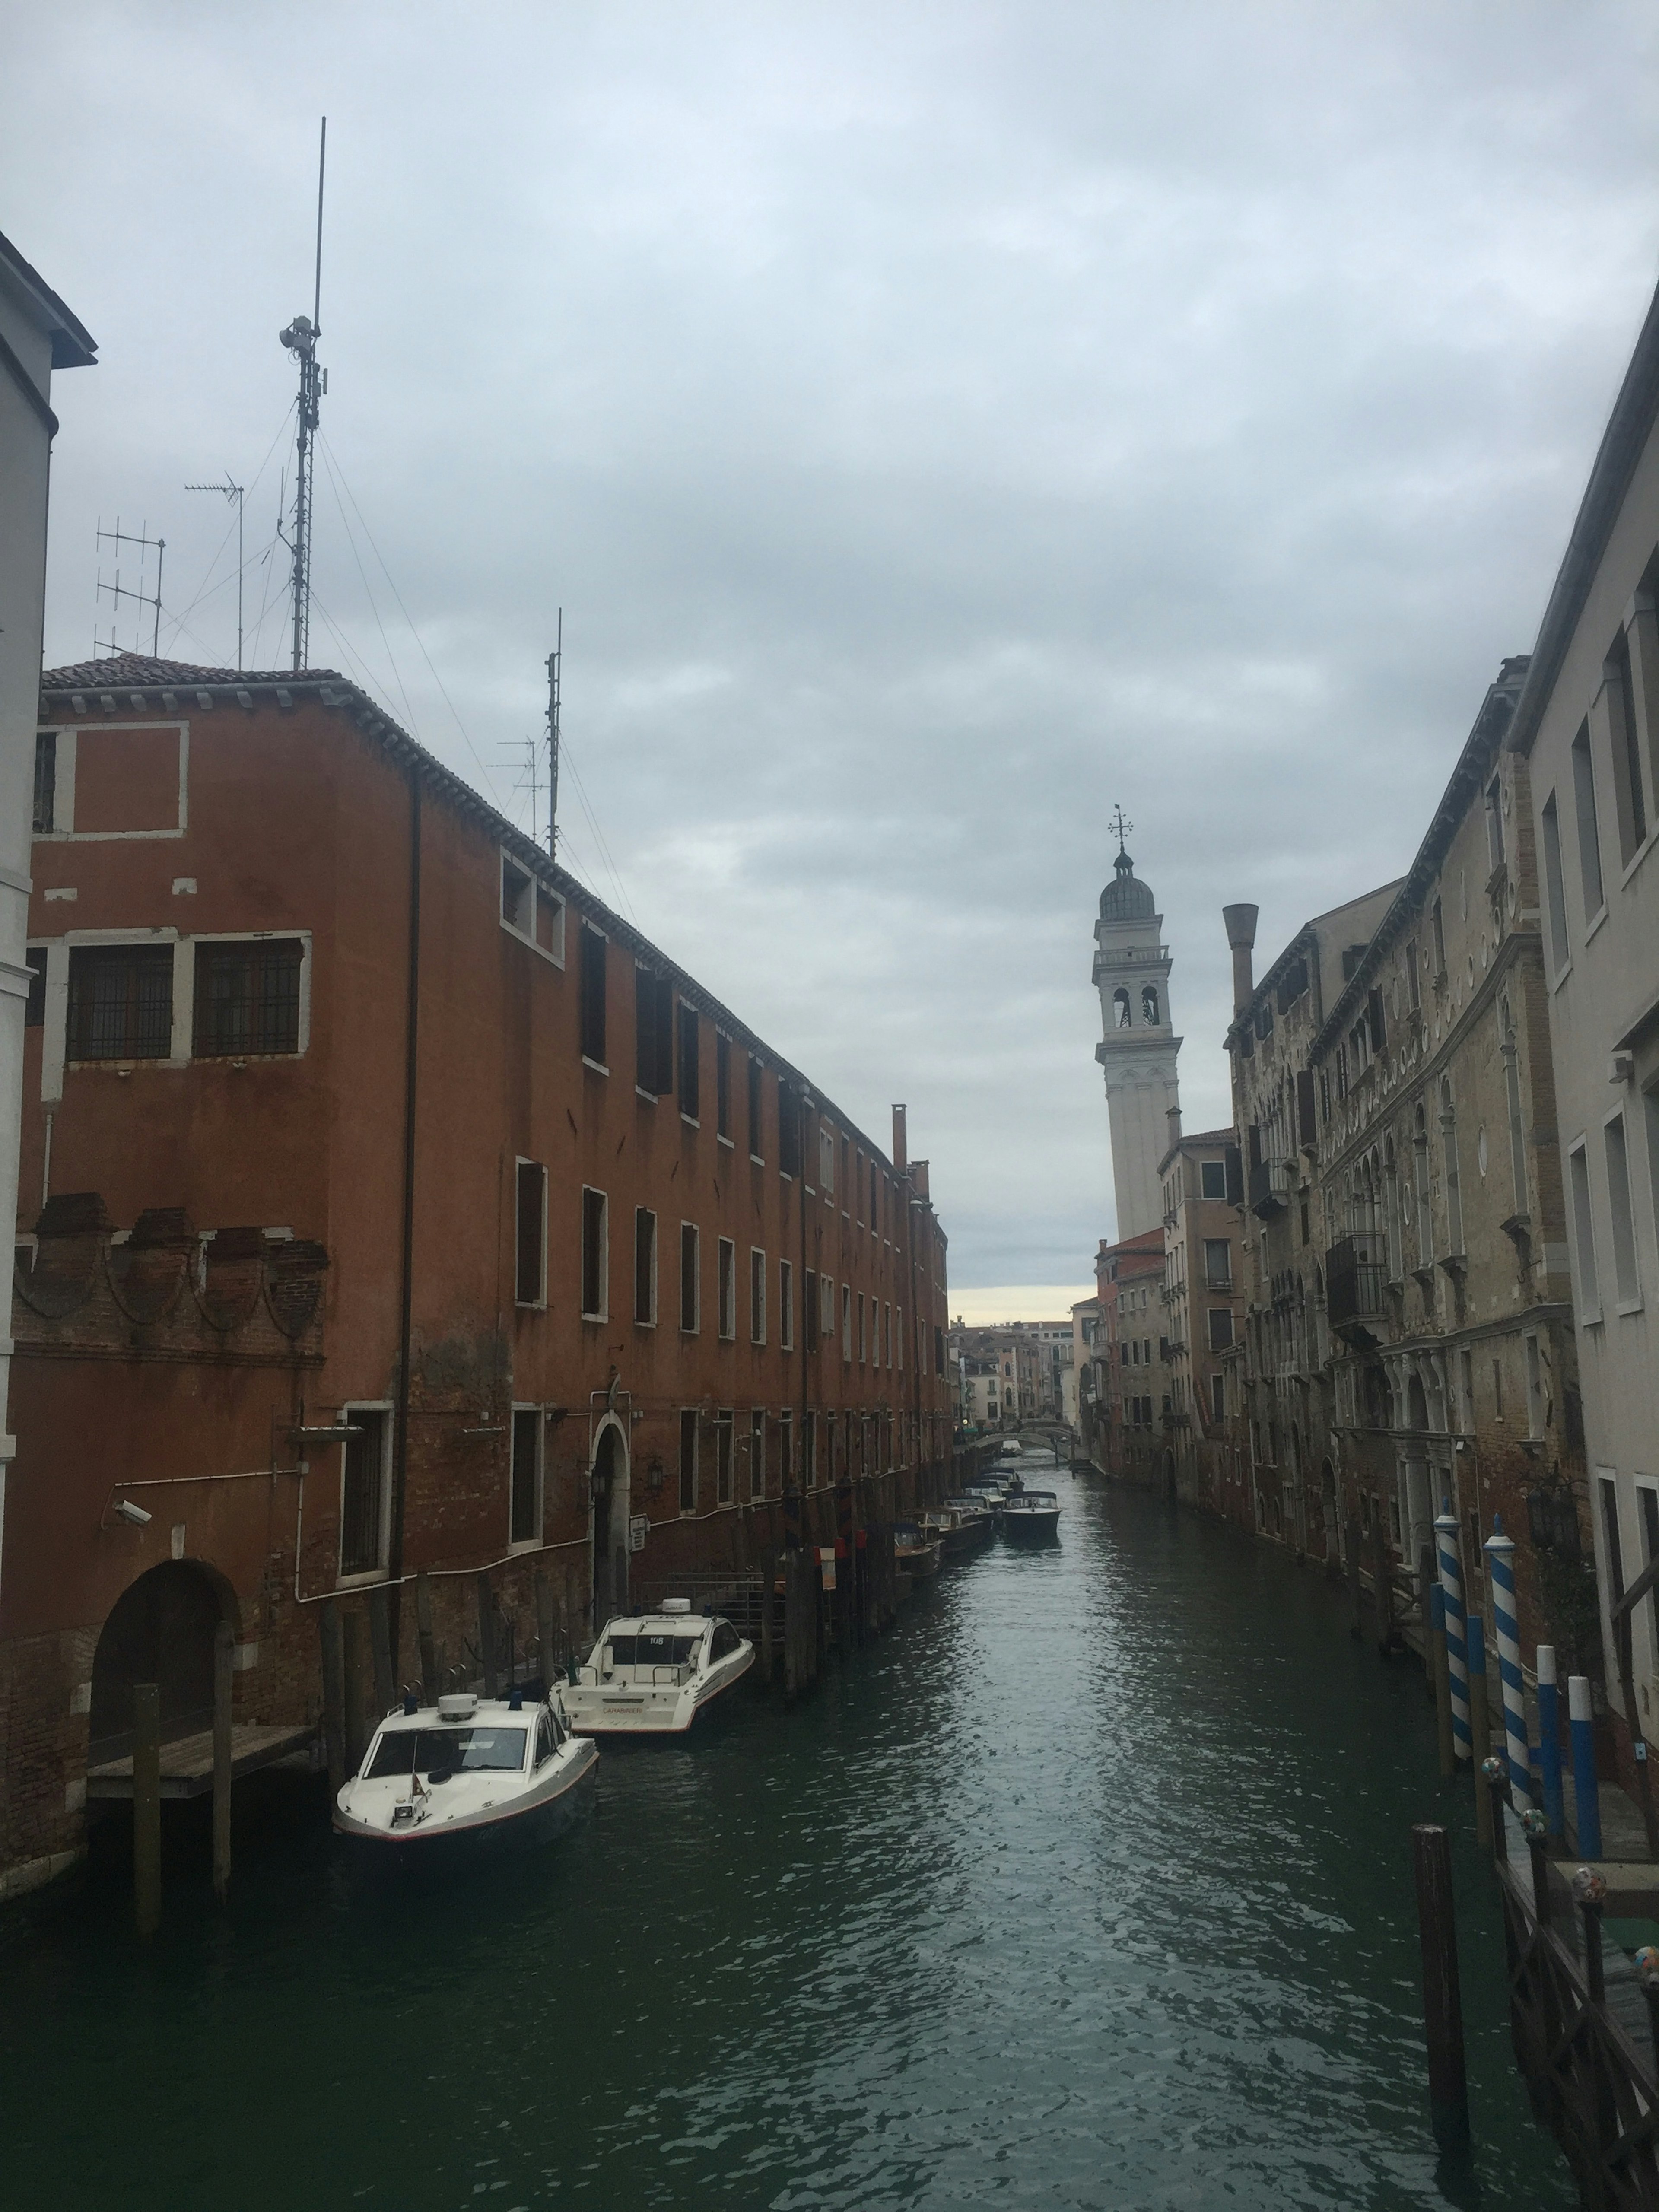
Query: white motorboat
{"x": 1011, "y": 1449}
{"x": 652, "y": 1674}
{"x": 466, "y": 1767}
{"x": 1031, "y": 1517}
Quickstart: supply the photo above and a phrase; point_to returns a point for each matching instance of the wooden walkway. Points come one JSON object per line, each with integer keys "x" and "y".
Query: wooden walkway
{"x": 187, "y": 1761}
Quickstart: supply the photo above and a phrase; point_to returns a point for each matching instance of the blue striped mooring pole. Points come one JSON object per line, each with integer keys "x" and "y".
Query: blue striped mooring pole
{"x": 1457, "y": 1656}
{"x": 1549, "y": 1740}
{"x": 1500, "y": 1565}
{"x": 1581, "y": 1727}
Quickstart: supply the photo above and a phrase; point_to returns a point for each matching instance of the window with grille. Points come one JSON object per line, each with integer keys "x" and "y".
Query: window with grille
{"x": 364, "y": 1494}
{"x": 525, "y": 1513}
{"x": 653, "y": 1032}
{"x": 247, "y": 997}
{"x": 120, "y": 1001}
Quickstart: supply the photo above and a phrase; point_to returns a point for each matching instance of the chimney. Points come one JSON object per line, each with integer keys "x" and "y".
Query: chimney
{"x": 918, "y": 1178}
{"x": 1240, "y": 921}
{"x": 899, "y": 1160}
{"x": 1172, "y": 1116}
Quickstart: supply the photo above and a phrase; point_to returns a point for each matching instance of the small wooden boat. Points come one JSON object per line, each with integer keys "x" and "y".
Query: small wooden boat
{"x": 465, "y": 1766}
{"x": 968, "y": 1526}
{"x": 1031, "y": 1516}
{"x": 915, "y": 1550}
{"x": 652, "y": 1674}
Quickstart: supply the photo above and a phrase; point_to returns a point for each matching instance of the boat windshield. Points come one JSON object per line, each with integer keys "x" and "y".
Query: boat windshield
{"x": 652, "y": 1650}
{"x": 447, "y": 1750}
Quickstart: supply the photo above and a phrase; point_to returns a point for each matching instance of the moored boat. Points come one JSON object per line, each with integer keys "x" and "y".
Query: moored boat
{"x": 652, "y": 1674}
{"x": 464, "y": 1767}
{"x": 1031, "y": 1516}
{"x": 1011, "y": 1449}
{"x": 968, "y": 1526}
{"x": 915, "y": 1549}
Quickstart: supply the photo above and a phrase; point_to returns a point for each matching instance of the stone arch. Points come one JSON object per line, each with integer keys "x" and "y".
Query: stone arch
{"x": 160, "y": 1630}
{"x": 1121, "y": 1007}
{"x": 609, "y": 1480}
{"x": 1149, "y": 1005}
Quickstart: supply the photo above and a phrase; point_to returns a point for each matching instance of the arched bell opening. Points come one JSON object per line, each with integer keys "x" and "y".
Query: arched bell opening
{"x": 160, "y": 1631}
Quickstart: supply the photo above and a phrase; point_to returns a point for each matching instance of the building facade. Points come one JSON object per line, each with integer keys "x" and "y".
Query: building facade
{"x": 1134, "y": 1406}
{"x": 1202, "y": 1305}
{"x": 395, "y": 1214}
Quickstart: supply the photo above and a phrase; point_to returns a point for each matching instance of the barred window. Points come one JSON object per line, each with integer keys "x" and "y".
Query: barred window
{"x": 120, "y": 1002}
{"x": 247, "y": 997}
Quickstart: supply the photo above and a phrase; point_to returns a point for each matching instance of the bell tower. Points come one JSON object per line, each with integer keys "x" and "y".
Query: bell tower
{"x": 1138, "y": 1047}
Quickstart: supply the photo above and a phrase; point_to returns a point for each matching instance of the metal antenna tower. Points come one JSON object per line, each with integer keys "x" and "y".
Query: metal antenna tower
{"x": 118, "y": 591}
{"x": 553, "y": 662}
{"x": 301, "y": 337}
{"x": 238, "y": 493}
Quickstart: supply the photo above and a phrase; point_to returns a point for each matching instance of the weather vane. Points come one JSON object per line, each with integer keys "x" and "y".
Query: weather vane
{"x": 1122, "y": 825}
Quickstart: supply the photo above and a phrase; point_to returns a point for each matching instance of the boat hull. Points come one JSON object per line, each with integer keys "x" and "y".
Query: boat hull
{"x": 1031, "y": 1528}
{"x": 625, "y": 1719}
{"x": 534, "y": 1818}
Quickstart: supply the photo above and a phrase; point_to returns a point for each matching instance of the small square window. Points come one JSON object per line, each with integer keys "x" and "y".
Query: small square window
{"x": 1212, "y": 1179}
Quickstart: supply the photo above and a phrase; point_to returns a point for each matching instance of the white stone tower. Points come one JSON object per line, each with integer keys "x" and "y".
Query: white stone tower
{"x": 1138, "y": 1047}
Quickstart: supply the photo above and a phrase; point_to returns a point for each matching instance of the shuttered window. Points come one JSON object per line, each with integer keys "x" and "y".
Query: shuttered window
{"x": 530, "y": 1271}
{"x": 593, "y": 995}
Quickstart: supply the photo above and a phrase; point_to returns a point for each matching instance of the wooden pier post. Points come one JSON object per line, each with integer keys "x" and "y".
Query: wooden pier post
{"x": 487, "y": 1634}
{"x": 224, "y": 1659}
{"x": 430, "y": 1684}
{"x": 1442, "y": 2004}
{"x": 351, "y": 1626}
{"x": 380, "y": 1643}
{"x": 334, "y": 1718}
{"x": 146, "y": 1806}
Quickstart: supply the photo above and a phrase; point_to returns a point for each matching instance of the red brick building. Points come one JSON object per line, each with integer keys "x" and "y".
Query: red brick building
{"x": 346, "y": 1109}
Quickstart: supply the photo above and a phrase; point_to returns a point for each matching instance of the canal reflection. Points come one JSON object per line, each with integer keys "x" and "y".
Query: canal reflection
{"x": 1088, "y": 1887}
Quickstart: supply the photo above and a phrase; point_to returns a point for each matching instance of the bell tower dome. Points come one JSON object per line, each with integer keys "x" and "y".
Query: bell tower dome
{"x": 1138, "y": 1047}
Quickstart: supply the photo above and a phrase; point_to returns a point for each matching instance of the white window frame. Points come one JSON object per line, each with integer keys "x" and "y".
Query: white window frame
{"x": 368, "y": 1574}
{"x": 1627, "y": 1258}
{"x": 538, "y": 1304}
{"x": 528, "y": 1543}
{"x": 1581, "y": 1203}
{"x": 650, "y": 1321}
{"x": 757, "y": 1303}
{"x": 847, "y": 1324}
{"x": 694, "y": 1327}
{"x": 785, "y": 1304}
{"x": 725, "y": 1289}
{"x": 538, "y": 891}
{"x": 64, "y": 781}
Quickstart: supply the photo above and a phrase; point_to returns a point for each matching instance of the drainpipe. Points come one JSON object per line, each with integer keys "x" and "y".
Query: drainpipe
{"x": 406, "y": 1319}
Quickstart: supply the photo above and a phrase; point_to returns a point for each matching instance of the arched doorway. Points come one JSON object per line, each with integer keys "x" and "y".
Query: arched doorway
{"x": 160, "y": 1631}
{"x": 610, "y": 1507}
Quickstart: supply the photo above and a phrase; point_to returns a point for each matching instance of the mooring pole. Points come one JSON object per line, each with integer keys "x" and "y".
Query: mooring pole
{"x": 1580, "y": 1726}
{"x": 1647, "y": 1975}
{"x": 1537, "y": 1836}
{"x": 1589, "y": 1893}
{"x": 1500, "y": 1567}
{"x": 147, "y": 1805}
{"x": 1549, "y": 1740}
{"x": 1442, "y": 2007}
{"x": 224, "y": 1659}
{"x": 1457, "y": 1657}
{"x": 1480, "y": 1726}
{"x": 1439, "y": 1673}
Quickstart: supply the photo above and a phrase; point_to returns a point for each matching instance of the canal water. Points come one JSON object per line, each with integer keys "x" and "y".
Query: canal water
{"x": 1088, "y": 1886}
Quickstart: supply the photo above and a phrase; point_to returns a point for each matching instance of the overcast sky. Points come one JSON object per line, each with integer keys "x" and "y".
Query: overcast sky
{"x": 937, "y": 423}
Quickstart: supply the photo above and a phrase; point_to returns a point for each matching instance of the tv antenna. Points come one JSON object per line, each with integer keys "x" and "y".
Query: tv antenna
{"x": 118, "y": 591}
{"x": 301, "y": 337}
{"x": 553, "y": 660}
{"x": 530, "y": 779}
{"x": 237, "y": 493}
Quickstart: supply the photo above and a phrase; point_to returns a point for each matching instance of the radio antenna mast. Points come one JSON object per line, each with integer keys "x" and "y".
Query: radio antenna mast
{"x": 301, "y": 337}
{"x": 554, "y": 660}
{"x": 236, "y": 494}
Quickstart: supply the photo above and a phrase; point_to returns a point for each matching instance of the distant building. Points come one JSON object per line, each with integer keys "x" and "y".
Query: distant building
{"x": 1135, "y": 1406}
{"x": 1203, "y": 1302}
{"x": 1138, "y": 1048}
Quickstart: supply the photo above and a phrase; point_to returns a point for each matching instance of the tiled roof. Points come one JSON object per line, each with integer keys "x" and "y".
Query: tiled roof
{"x": 121, "y": 671}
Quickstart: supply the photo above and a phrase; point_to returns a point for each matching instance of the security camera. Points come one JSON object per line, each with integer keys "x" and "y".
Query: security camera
{"x": 129, "y": 1511}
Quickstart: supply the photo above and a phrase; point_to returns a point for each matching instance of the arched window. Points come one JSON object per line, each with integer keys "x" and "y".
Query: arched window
{"x": 1149, "y": 1005}
{"x": 1121, "y": 1007}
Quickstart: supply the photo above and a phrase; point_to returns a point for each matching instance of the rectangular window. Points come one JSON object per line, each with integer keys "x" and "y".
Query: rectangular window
{"x": 723, "y": 1084}
{"x": 1583, "y": 1231}
{"x": 596, "y": 1256}
{"x": 1494, "y": 825}
{"x": 847, "y": 1322}
{"x": 531, "y": 911}
{"x": 34, "y": 1014}
{"x": 723, "y": 1435}
{"x": 827, "y": 1162}
{"x": 1589, "y": 837}
{"x": 1626, "y": 1283}
{"x": 1534, "y": 1385}
{"x": 653, "y": 1032}
{"x": 886, "y": 1334}
{"x": 1218, "y": 1263}
{"x": 524, "y": 1508}
{"x": 861, "y": 1336}
{"x": 1554, "y": 886}
{"x": 726, "y": 1285}
{"x": 1630, "y": 800}
{"x": 757, "y": 1089}
{"x": 785, "y": 1305}
{"x": 757, "y": 1296}
{"x": 1221, "y": 1327}
{"x": 644, "y": 1266}
{"x": 1218, "y": 1397}
{"x": 827, "y": 1307}
{"x": 786, "y": 1447}
{"x": 809, "y": 1451}
{"x": 688, "y": 1061}
{"x": 1414, "y": 977}
{"x": 593, "y": 995}
{"x": 529, "y": 1233}
{"x": 1498, "y": 1389}
{"x": 689, "y": 1320}
{"x": 365, "y": 1493}
{"x": 1212, "y": 1179}
{"x": 1438, "y": 932}
{"x": 810, "y": 1312}
{"x": 247, "y": 997}
{"x": 756, "y": 1453}
{"x": 45, "y": 782}
{"x": 688, "y": 1459}
{"x": 120, "y": 1002}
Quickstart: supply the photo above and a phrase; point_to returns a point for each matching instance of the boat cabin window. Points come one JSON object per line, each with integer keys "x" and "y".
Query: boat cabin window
{"x": 545, "y": 1742}
{"x": 726, "y": 1640}
{"x": 651, "y": 1650}
{"x": 449, "y": 1751}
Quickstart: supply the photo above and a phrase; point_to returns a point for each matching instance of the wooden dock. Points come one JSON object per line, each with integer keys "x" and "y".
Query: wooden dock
{"x": 187, "y": 1761}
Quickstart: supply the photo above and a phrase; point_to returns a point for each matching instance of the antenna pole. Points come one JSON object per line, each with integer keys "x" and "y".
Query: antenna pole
{"x": 553, "y": 662}
{"x": 301, "y": 337}
{"x": 236, "y": 493}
